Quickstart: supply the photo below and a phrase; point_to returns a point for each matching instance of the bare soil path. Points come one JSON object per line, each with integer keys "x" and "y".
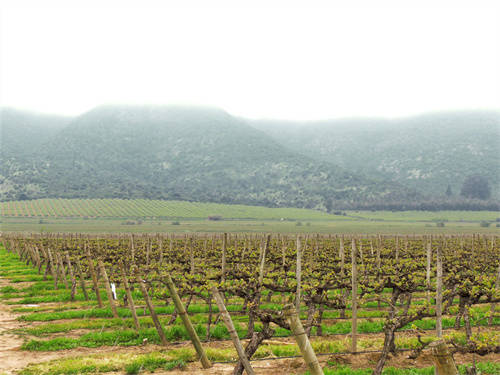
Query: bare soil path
{"x": 13, "y": 359}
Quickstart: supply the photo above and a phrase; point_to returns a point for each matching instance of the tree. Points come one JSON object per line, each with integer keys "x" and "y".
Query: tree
{"x": 476, "y": 186}
{"x": 449, "y": 192}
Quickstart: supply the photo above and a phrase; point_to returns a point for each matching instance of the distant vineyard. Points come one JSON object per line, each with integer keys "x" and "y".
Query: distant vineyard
{"x": 148, "y": 208}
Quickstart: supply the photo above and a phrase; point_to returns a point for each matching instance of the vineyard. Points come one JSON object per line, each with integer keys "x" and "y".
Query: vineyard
{"x": 102, "y": 208}
{"x": 377, "y": 301}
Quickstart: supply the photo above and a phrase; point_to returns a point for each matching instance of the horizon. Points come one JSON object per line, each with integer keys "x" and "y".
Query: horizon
{"x": 236, "y": 115}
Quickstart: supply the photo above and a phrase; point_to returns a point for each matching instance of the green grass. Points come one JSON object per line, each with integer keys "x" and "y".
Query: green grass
{"x": 123, "y": 335}
{"x": 109, "y": 215}
{"x": 415, "y": 216}
{"x": 128, "y": 363}
{"x": 486, "y": 368}
{"x": 331, "y": 225}
{"x": 152, "y": 363}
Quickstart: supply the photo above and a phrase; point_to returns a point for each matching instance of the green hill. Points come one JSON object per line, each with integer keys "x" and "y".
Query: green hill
{"x": 426, "y": 153}
{"x": 22, "y": 136}
{"x": 206, "y": 155}
{"x": 182, "y": 153}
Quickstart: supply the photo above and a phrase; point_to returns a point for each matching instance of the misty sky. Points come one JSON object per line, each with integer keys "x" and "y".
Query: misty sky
{"x": 291, "y": 60}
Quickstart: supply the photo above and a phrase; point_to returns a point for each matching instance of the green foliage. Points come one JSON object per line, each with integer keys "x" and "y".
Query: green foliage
{"x": 428, "y": 152}
{"x": 175, "y": 153}
{"x": 476, "y": 186}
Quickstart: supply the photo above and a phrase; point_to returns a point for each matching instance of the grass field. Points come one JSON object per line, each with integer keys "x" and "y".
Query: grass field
{"x": 115, "y": 215}
{"x": 260, "y": 226}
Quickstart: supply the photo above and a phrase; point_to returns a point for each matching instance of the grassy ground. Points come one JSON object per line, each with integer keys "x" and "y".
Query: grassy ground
{"x": 114, "y": 215}
{"x": 341, "y": 225}
{"x": 335, "y": 369}
{"x": 419, "y": 216}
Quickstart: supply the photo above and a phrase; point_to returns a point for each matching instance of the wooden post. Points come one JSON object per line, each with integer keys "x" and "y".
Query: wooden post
{"x": 151, "y": 308}
{"x": 36, "y": 257}
{"x": 298, "y": 273}
{"x": 57, "y": 269}
{"x": 160, "y": 249}
{"x": 108, "y": 288}
{"x": 344, "y": 291}
{"x": 47, "y": 266}
{"x": 354, "y": 297}
{"x": 428, "y": 271}
{"x": 263, "y": 259}
{"x": 40, "y": 263}
{"x": 191, "y": 255}
{"x": 439, "y": 292}
{"x": 443, "y": 361}
{"x": 52, "y": 268}
{"x": 187, "y": 323}
{"x": 223, "y": 266}
{"x": 342, "y": 256}
{"x": 379, "y": 245}
{"x": 82, "y": 278}
{"x": 360, "y": 250}
{"x": 497, "y": 287}
{"x": 232, "y": 331}
{"x": 63, "y": 270}
{"x": 305, "y": 347}
{"x": 132, "y": 249}
{"x": 72, "y": 276}
{"x": 94, "y": 276}
{"x": 397, "y": 248}
{"x": 130, "y": 300}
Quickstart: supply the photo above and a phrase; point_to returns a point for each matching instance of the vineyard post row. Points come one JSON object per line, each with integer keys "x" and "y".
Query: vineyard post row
{"x": 399, "y": 268}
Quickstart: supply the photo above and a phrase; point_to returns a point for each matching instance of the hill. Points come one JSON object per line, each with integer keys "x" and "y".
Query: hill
{"x": 182, "y": 153}
{"x": 22, "y": 135}
{"x": 426, "y": 152}
{"x": 23, "y": 132}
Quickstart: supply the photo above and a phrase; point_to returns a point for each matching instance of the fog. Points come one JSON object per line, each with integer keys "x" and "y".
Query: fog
{"x": 291, "y": 60}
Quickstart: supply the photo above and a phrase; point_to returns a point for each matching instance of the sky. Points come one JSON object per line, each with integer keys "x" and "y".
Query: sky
{"x": 259, "y": 59}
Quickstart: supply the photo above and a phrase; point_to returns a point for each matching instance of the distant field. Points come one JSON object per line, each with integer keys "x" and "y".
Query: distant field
{"x": 408, "y": 216}
{"x": 115, "y": 215}
{"x": 114, "y": 225}
{"x": 143, "y": 208}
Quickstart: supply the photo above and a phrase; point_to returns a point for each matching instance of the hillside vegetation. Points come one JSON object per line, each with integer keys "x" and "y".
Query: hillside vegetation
{"x": 427, "y": 152}
{"x": 206, "y": 155}
{"x": 180, "y": 153}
